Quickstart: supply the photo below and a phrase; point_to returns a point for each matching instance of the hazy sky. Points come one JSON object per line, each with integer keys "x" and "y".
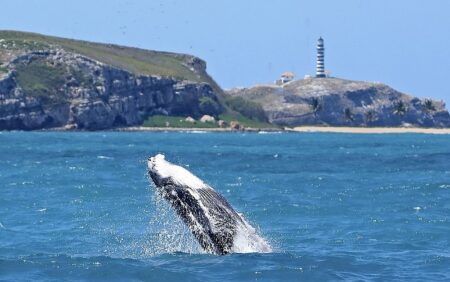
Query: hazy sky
{"x": 405, "y": 44}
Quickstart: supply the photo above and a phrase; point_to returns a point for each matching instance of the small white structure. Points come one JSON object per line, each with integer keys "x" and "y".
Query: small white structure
{"x": 189, "y": 119}
{"x": 285, "y": 78}
{"x": 222, "y": 123}
{"x": 207, "y": 118}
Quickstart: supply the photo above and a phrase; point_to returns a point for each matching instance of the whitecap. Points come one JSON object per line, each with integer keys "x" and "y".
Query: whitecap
{"x": 269, "y": 132}
{"x": 234, "y": 184}
{"x": 105, "y": 157}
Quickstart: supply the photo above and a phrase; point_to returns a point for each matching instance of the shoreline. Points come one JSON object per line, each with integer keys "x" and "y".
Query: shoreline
{"x": 196, "y": 129}
{"x": 299, "y": 129}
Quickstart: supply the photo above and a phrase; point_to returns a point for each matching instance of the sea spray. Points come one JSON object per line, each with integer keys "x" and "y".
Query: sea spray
{"x": 168, "y": 232}
{"x": 158, "y": 230}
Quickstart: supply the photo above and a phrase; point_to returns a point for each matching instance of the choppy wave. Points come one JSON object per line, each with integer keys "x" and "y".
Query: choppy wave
{"x": 237, "y": 267}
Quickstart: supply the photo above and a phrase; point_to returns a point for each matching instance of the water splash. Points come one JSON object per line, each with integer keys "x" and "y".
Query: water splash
{"x": 168, "y": 232}
{"x": 156, "y": 230}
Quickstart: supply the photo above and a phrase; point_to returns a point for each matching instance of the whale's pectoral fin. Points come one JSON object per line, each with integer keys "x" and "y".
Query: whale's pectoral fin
{"x": 222, "y": 218}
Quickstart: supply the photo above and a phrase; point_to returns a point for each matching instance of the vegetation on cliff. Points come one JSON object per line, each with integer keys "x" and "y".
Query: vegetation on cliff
{"x": 246, "y": 107}
{"x": 181, "y": 122}
{"x": 41, "y": 80}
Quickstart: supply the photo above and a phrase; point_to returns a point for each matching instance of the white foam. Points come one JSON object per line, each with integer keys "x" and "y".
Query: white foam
{"x": 247, "y": 239}
{"x": 105, "y": 157}
{"x": 269, "y": 132}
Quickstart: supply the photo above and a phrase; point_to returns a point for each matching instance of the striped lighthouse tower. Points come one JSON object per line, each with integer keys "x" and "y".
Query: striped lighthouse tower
{"x": 320, "y": 66}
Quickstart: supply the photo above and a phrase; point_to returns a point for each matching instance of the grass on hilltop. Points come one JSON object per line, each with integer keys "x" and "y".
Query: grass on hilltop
{"x": 135, "y": 60}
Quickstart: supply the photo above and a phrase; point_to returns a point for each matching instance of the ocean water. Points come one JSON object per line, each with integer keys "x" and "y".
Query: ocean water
{"x": 79, "y": 206}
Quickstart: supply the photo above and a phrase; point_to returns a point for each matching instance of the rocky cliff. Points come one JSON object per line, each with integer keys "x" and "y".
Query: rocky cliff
{"x": 48, "y": 82}
{"x": 338, "y": 102}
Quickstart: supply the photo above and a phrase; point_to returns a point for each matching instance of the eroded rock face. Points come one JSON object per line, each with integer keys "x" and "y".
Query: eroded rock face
{"x": 80, "y": 93}
{"x": 338, "y": 102}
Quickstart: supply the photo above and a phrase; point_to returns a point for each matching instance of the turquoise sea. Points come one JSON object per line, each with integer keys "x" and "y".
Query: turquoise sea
{"x": 79, "y": 206}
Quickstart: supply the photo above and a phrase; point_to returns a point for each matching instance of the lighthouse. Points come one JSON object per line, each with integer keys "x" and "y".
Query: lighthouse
{"x": 320, "y": 65}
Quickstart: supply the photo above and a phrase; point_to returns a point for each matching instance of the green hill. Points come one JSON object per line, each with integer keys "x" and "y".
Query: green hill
{"x": 135, "y": 60}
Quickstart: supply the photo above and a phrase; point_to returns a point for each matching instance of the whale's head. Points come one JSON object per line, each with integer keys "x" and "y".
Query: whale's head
{"x": 154, "y": 167}
{"x": 163, "y": 173}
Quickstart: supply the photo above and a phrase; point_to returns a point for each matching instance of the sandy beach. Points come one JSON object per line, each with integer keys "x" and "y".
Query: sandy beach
{"x": 370, "y": 130}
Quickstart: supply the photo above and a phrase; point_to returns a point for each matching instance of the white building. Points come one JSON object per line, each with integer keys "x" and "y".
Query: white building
{"x": 285, "y": 78}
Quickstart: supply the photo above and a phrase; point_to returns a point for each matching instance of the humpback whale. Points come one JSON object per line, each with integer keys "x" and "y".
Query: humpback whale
{"x": 212, "y": 220}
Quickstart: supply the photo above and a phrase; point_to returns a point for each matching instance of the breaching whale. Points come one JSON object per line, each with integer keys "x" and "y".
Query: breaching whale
{"x": 214, "y": 223}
